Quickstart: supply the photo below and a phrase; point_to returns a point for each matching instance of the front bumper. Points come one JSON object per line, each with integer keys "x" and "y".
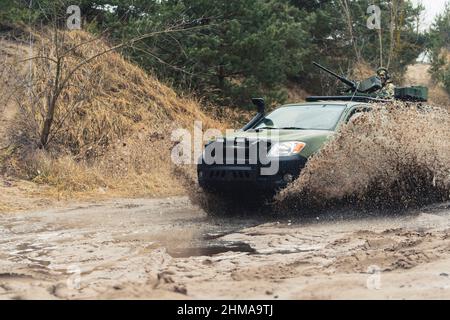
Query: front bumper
{"x": 242, "y": 177}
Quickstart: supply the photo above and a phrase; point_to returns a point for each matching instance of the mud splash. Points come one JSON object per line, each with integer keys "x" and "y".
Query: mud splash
{"x": 397, "y": 156}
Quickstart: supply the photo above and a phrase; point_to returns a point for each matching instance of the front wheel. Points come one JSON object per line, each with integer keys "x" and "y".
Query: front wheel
{"x": 235, "y": 203}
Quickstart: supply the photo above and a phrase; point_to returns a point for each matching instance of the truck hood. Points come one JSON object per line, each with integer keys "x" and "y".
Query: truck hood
{"x": 283, "y": 135}
{"x": 314, "y": 139}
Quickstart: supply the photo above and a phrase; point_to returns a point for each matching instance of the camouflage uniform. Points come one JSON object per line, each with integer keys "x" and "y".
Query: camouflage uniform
{"x": 388, "y": 91}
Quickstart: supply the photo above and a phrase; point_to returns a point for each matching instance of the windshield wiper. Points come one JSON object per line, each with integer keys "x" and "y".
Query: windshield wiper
{"x": 292, "y": 128}
{"x": 266, "y": 128}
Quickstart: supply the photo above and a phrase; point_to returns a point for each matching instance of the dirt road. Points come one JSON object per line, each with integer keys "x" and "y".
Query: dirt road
{"x": 160, "y": 249}
{"x": 419, "y": 75}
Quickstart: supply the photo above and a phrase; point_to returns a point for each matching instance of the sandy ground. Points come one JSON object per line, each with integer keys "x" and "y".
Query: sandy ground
{"x": 169, "y": 249}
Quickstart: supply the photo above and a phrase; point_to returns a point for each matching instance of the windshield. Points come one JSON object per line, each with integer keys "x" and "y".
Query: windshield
{"x": 303, "y": 117}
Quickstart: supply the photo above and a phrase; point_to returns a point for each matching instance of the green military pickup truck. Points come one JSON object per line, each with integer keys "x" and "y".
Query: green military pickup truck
{"x": 271, "y": 150}
{"x": 282, "y": 142}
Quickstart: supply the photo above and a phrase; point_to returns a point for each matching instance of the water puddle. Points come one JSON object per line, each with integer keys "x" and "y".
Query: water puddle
{"x": 211, "y": 250}
{"x": 216, "y": 235}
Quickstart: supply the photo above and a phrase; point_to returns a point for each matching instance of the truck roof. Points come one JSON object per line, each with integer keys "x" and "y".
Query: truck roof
{"x": 349, "y": 104}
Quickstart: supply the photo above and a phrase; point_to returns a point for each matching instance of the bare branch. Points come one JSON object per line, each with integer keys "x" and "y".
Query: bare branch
{"x": 345, "y": 6}
{"x": 99, "y": 37}
{"x": 38, "y": 58}
{"x": 161, "y": 60}
{"x": 121, "y": 45}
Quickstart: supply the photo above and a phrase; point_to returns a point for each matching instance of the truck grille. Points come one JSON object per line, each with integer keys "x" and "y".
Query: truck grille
{"x": 238, "y": 175}
{"x": 240, "y": 152}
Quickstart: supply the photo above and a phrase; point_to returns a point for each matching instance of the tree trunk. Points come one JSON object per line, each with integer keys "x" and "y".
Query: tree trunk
{"x": 48, "y": 123}
{"x": 52, "y": 101}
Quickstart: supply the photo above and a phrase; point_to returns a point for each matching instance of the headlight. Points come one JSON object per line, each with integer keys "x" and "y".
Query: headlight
{"x": 286, "y": 149}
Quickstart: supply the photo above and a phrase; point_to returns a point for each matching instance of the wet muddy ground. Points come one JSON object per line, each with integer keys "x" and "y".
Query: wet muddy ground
{"x": 169, "y": 249}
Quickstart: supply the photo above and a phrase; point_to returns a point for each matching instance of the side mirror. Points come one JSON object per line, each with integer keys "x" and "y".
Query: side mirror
{"x": 260, "y": 105}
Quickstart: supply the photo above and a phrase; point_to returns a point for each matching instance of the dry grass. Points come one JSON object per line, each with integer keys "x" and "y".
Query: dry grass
{"x": 113, "y": 124}
{"x": 397, "y": 155}
{"x": 104, "y": 101}
{"x": 10, "y": 53}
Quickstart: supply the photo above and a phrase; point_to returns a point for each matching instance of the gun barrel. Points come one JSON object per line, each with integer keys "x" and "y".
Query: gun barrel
{"x": 344, "y": 80}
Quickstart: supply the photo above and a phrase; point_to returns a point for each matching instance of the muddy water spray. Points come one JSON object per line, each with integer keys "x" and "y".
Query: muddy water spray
{"x": 398, "y": 155}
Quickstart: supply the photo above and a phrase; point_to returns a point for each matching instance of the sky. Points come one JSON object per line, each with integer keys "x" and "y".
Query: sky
{"x": 432, "y": 9}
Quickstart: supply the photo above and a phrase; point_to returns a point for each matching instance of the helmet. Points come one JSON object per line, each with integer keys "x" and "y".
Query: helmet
{"x": 383, "y": 72}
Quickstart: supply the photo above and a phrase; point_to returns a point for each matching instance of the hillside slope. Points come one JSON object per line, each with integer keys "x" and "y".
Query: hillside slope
{"x": 113, "y": 121}
{"x": 418, "y": 74}
{"x": 10, "y": 52}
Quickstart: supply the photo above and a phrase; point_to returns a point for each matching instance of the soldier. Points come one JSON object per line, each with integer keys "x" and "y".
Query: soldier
{"x": 388, "y": 90}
